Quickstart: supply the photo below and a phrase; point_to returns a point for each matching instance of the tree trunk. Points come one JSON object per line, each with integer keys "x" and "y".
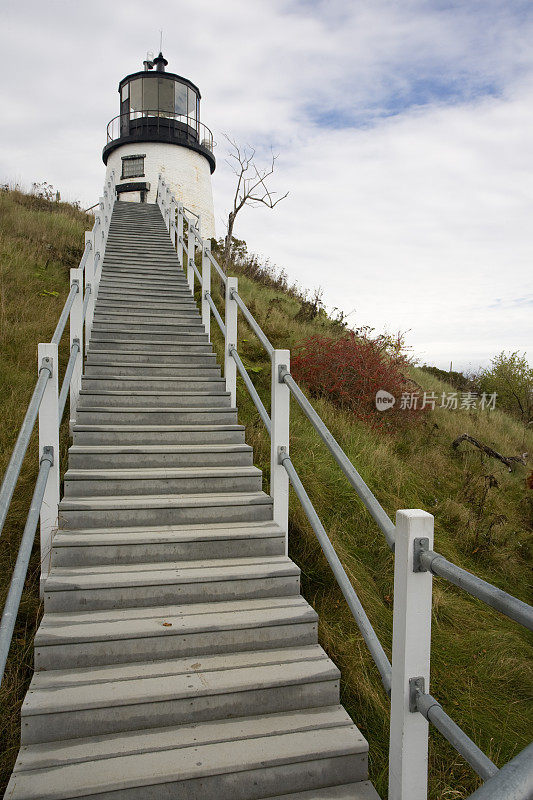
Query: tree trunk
{"x": 227, "y": 241}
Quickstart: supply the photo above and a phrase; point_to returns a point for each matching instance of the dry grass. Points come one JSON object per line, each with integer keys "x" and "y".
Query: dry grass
{"x": 480, "y": 662}
{"x": 39, "y": 242}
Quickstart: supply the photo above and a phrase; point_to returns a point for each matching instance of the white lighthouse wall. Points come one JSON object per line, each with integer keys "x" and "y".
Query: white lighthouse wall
{"x": 185, "y": 171}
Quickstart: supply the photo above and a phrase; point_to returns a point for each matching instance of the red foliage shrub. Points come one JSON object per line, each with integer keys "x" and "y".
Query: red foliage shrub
{"x": 350, "y": 371}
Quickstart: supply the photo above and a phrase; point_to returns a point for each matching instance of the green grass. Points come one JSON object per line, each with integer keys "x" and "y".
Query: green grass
{"x": 39, "y": 242}
{"x": 480, "y": 661}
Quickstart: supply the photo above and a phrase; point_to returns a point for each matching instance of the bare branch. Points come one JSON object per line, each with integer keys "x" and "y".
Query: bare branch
{"x": 252, "y": 188}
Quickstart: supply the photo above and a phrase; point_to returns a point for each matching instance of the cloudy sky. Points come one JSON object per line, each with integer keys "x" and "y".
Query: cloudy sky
{"x": 403, "y": 127}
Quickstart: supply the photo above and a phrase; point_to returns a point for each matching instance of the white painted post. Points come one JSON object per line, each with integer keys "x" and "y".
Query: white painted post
{"x": 172, "y": 229}
{"x": 206, "y": 287}
{"x": 76, "y": 334}
{"x": 49, "y": 437}
{"x": 279, "y": 438}
{"x": 90, "y": 280}
{"x": 191, "y": 251}
{"x": 230, "y": 367}
{"x": 411, "y": 647}
{"x": 180, "y": 245}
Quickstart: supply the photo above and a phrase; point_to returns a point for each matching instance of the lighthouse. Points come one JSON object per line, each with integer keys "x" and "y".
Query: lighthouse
{"x": 158, "y": 131}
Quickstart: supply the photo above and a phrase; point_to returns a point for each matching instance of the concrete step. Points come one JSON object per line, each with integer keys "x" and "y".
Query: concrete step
{"x": 176, "y": 316}
{"x": 82, "y": 749}
{"x": 152, "y": 329}
{"x": 77, "y": 641}
{"x": 110, "y": 512}
{"x": 157, "y": 434}
{"x": 161, "y": 285}
{"x": 160, "y": 480}
{"x": 166, "y": 543}
{"x": 210, "y": 768}
{"x": 145, "y": 306}
{"x": 155, "y": 336}
{"x": 167, "y": 456}
{"x": 197, "y": 354}
{"x": 146, "y": 395}
{"x": 171, "y": 582}
{"x": 152, "y": 347}
{"x": 130, "y": 370}
{"x": 178, "y": 697}
{"x": 126, "y": 293}
{"x": 153, "y": 383}
{"x": 156, "y": 415}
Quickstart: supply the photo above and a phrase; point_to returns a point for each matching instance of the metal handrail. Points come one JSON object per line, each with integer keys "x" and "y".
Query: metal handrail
{"x": 65, "y": 386}
{"x": 252, "y": 322}
{"x": 195, "y": 268}
{"x": 62, "y": 321}
{"x": 514, "y": 781}
{"x": 496, "y": 598}
{"x": 363, "y": 623}
{"x": 9, "y": 614}
{"x": 364, "y": 493}
{"x": 216, "y": 265}
{"x": 432, "y": 710}
{"x": 55, "y": 404}
{"x": 263, "y": 413}
{"x": 216, "y": 314}
{"x": 203, "y": 136}
{"x": 19, "y": 451}
{"x": 424, "y": 559}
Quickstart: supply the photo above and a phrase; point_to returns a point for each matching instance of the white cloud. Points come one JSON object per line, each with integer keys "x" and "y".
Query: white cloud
{"x": 416, "y": 212}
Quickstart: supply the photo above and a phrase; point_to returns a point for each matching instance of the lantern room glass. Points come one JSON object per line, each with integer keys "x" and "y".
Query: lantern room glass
{"x": 154, "y": 95}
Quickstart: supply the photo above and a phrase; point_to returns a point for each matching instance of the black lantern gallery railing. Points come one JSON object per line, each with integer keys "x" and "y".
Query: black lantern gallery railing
{"x": 161, "y": 125}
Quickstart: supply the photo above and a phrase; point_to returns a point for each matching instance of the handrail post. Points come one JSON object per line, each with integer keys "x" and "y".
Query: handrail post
{"x": 191, "y": 252}
{"x": 90, "y": 281}
{"x": 206, "y": 287}
{"x": 180, "y": 244}
{"x": 411, "y": 647}
{"x": 230, "y": 367}
{"x": 172, "y": 227}
{"x": 49, "y": 438}
{"x": 76, "y": 335}
{"x": 279, "y": 441}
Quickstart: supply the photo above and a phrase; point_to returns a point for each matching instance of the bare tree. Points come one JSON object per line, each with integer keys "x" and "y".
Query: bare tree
{"x": 251, "y": 189}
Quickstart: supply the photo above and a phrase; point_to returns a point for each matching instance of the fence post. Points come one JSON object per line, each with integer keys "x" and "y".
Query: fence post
{"x": 90, "y": 266}
{"x": 279, "y": 438}
{"x": 172, "y": 229}
{"x": 411, "y": 647}
{"x": 76, "y": 335}
{"x": 180, "y": 246}
{"x": 49, "y": 438}
{"x": 230, "y": 367}
{"x": 206, "y": 287}
{"x": 191, "y": 251}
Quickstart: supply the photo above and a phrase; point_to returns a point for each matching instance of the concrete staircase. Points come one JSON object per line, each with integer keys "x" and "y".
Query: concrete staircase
{"x": 176, "y": 657}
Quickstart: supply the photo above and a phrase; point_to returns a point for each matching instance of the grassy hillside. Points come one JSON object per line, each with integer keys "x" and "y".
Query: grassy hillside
{"x": 480, "y": 661}
{"x": 39, "y": 242}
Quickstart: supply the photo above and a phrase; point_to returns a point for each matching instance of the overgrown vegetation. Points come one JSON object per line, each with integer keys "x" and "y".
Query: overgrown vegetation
{"x": 480, "y": 662}
{"x": 40, "y": 240}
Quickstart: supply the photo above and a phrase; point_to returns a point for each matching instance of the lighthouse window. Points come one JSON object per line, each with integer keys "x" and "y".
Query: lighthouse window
{"x": 166, "y": 96}
{"x": 191, "y": 103}
{"x": 136, "y": 95}
{"x": 150, "y": 94}
{"x": 180, "y": 98}
{"x": 132, "y": 167}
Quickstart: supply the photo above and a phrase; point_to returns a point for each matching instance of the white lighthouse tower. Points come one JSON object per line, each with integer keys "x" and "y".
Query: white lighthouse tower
{"x": 158, "y": 131}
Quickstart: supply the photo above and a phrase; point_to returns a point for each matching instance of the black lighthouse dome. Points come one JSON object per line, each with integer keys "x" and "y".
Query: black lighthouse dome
{"x": 159, "y": 106}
